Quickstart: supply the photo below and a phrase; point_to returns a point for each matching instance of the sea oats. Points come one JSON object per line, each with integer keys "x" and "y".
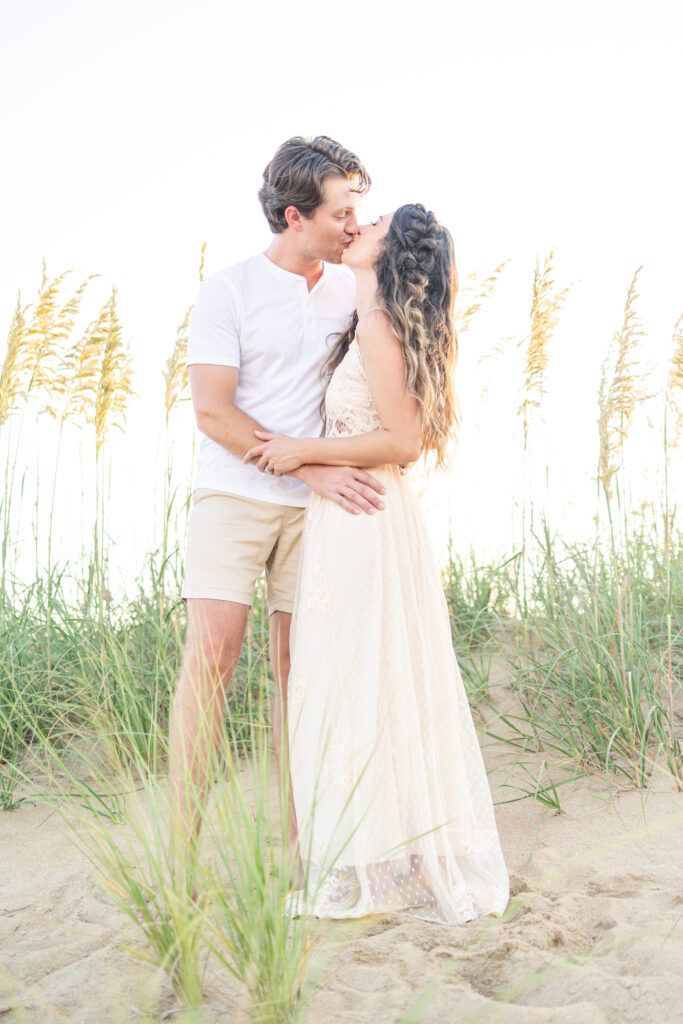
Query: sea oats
{"x": 175, "y": 375}
{"x": 545, "y": 310}
{"x": 114, "y": 387}
{"x": 674, "y": 385}
{"x": 626, "y": 390}
{"x": 201, "y": 262}
{"x": 47, "y": 330}
{"x": 80, "y": 370}
{"x": 473, "y": 295}
{"x": 621, "y": 390}
{"x": 64, "y": 375}
{"x": 16, "y": 363}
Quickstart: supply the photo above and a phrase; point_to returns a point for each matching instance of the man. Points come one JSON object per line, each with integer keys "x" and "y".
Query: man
{"x": 259, "y": 333}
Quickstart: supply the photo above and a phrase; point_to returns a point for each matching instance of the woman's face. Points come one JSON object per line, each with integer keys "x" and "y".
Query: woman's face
{"x": 365, "y": 248}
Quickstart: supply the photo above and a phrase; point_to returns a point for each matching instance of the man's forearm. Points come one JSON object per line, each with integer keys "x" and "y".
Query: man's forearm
{"x": 232, "y": 429}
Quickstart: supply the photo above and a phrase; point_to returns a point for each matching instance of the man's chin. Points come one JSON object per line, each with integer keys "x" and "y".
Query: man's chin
{"x": 335, "y": 257}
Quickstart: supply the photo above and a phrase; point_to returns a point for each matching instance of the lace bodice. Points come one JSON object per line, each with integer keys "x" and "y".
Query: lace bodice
{"x": 348, "y": 401}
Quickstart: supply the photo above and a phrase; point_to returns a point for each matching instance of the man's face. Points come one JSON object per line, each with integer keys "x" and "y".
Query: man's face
{"x": 332, "y": 228}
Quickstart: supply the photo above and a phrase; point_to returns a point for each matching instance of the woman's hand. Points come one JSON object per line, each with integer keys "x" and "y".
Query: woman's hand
{"x": 278, "y": 454}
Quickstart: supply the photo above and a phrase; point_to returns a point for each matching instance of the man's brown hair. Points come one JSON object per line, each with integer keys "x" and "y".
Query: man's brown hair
{"x": 296, "y": 175}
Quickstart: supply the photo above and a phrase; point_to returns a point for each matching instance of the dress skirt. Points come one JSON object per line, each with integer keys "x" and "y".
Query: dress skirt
{"x": 392, "y": 799}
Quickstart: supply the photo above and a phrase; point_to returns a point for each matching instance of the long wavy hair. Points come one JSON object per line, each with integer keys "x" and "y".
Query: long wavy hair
{"x": 417, "y": 283}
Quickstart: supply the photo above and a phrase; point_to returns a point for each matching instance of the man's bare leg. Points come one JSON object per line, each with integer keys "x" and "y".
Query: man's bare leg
{"x": 280, "y": 623}
{"x": 215, "y": 630}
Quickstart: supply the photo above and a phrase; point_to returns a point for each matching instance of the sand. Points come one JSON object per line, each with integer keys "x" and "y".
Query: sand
{"x": 594, "y": 933}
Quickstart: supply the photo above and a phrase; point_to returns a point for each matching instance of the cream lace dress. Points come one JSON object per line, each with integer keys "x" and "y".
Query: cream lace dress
{"x": 392, "y": 799}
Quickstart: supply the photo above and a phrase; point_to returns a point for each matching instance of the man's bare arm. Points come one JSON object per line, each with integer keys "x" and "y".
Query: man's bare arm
{"x": 213, "y": 390}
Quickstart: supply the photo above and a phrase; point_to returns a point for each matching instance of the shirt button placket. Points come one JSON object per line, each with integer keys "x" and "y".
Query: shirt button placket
{"x": 309, "y": 318}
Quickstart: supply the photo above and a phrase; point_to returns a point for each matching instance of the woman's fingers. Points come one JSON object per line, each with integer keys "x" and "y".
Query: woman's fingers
{"x": 254, "y": 452}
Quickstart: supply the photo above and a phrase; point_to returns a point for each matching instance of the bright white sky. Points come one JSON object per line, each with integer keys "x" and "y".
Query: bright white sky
{"x": 134, "y": 131}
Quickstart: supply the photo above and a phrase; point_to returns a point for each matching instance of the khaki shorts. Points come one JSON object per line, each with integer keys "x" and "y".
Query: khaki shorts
{"x": 231, "y": 540}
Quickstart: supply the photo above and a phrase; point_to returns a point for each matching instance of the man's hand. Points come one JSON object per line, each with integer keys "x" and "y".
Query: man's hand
{"x": 354, "y": 489}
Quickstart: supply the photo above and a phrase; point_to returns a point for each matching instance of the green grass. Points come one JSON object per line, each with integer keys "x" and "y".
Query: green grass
{"x": 69, "y": 670}
{"x": 590, "y": 667}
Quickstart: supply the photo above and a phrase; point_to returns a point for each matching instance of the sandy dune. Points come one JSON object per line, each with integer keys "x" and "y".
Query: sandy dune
{"x": 594, "y": 932}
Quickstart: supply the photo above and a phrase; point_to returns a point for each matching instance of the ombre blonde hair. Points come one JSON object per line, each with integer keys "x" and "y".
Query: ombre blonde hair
{"x": 417, "y": 283}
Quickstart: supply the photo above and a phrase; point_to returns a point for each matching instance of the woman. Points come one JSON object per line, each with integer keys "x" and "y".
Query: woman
{"x": 392, "y": 800}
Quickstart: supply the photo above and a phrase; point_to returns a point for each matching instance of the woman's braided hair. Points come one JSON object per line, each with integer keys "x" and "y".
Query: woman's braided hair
{"x": 417, "y": 284}
{"x": 296, "y": 176}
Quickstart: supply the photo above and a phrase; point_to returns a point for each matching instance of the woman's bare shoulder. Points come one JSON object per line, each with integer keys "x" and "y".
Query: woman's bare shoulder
{"x": 375, "y": 326}
{"x": 375, "y": 317}
{"x": 378, "y": 344}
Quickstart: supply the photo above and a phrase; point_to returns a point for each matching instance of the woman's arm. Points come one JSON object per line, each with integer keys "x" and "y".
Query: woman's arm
{"x": 398, "y": 440}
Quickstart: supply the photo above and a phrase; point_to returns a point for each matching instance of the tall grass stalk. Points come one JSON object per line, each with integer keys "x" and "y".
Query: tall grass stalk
{"x": 134, "y": 865}
{"x": 590, "y": 685}
{"x": 622, "y": 387}
{"x": 478, "y": 598}
{"x": 11, "y": 389}
{"x": 546, "y": 304}
{"x": 251, "y": 932}
{"x": 673, "y": 403}
{"x": 114, "y": 389}
{"x": 176, "y": 390}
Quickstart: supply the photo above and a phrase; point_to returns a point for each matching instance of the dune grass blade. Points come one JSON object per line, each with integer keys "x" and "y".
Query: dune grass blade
{"x": 478, "y": 596}
{"x": 250, "y": 932}
{"x": 589, "y": 683}
{"x": 157, "y": 892}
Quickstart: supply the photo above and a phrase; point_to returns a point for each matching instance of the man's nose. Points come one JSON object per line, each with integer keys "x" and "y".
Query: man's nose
{"x": 352, "y": 225}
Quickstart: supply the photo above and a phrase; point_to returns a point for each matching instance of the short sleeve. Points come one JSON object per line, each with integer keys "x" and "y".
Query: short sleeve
{"x": 214, "y": 324}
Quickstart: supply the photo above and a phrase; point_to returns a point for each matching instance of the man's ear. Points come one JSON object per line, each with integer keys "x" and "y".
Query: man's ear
{"x": 293, "y": 218}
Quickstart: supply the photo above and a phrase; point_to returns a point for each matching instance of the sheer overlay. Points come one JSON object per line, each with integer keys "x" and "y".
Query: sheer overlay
{"x": 389, "y": 783}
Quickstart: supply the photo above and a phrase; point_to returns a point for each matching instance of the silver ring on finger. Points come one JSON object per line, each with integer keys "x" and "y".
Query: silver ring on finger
{"x": 269, "y": 470}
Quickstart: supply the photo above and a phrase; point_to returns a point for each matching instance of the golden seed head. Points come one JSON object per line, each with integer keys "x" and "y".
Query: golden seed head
{"x": 175, "y": 375}
{"x": 621, "y": 390}
{"x": 15, "y": 365}
{"x": 674, "y": 384}
{"x": 473, "y": 295}
{"x": 546, "y": 304}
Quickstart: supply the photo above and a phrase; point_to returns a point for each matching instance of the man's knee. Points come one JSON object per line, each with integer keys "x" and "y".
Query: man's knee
{"x": 214, "y": 638}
